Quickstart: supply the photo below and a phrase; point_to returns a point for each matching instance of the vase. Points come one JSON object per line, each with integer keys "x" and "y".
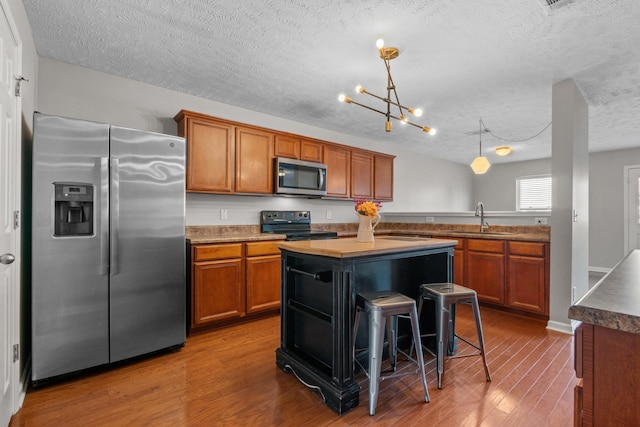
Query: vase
{"x": 366, "y": 226}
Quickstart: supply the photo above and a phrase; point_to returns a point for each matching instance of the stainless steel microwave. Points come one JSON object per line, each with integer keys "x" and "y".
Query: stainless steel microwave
{"x": 300, "y": 177}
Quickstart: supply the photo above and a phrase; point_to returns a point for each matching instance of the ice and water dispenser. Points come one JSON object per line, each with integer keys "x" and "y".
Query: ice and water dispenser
{"x": 73, "y": 208}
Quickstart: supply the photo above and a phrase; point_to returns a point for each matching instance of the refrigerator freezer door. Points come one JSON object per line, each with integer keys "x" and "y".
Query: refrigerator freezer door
{"x": 70, "y": 305}
{"x": 148, "y": 290}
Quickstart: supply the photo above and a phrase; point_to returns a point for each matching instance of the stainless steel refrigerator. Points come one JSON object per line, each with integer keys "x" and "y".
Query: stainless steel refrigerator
{"x": 108, "y": 244}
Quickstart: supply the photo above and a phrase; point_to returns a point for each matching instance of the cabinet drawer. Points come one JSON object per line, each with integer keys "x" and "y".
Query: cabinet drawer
{"x": 526, "y": 248}
{"x": 485, "y": 245}
{"x": 208, "y": 252}
{"x": 262, "y": 248}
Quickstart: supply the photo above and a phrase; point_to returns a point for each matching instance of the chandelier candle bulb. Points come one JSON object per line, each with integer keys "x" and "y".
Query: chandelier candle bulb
{"x": 387, "y": 54}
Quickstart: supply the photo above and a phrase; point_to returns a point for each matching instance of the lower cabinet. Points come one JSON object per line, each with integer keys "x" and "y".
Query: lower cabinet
{"x": 504, "y": 273}
{"x": 485, "y": 269}
{"x": 263, "y": 276}
{"x": 232, "y": 282}
{"x": 609, "y": 377}
{"x": 527, "y": 272}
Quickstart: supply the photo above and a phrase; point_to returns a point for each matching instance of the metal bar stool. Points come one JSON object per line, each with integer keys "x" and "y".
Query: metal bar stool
{"x": 444, "y": 295}
{"x": 380, "y": 306}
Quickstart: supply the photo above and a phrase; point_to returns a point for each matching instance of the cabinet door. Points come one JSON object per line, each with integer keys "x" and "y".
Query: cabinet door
{"x": 218, "y": 291}
{"x": 310, "y": 151}
{"x": 263, "y": 283}
{"x": 210, "y": 156}
{"x": 338, "y": 161}
{"x": 526, "y": 288}
{"x": 485, "y": 269}
{"x": 383, "y": 177}
{"x": 254, "y": 161}
{"x": 287, "y": 146}
{"x": 361, "y": 175}
{"x": 458, "y": 263}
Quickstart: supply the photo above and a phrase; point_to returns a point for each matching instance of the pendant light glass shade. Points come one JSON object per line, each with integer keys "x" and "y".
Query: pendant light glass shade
{"x": 480, "y": 164}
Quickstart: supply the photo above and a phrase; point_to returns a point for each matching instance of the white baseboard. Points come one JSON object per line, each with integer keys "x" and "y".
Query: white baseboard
{"x": 565, "y": 328}
{"x": 24, "y": 382}
{"x": 599, "y": 269}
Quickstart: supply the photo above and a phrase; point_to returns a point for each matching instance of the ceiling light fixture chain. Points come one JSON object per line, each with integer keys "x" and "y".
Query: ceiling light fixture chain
{"x": 387, "y": 54}
{"x": 480, "y": 164}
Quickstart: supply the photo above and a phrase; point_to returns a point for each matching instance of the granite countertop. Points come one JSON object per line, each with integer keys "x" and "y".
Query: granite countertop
{"x": 349, "y": 247}
{"x": 614, "y": 302}
{"x": 249, "y": 233}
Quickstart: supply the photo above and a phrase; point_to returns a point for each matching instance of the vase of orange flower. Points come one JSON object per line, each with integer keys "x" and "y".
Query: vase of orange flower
{"x": 368, "y": 218}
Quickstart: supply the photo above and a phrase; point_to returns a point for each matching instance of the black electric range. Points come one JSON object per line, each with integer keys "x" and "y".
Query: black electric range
{"x": 295, "y": 224}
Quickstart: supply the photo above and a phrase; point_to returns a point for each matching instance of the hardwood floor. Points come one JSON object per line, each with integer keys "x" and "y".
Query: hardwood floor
{"x": 229, "y": 378}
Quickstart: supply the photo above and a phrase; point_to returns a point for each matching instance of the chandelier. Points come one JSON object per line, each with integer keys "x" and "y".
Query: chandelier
{"x": 480, "y": 164}
{"x": 387, "y": 54}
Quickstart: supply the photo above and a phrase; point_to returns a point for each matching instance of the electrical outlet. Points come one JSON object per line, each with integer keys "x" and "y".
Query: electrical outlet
{"x": 541, "y": 221}
{"x": 328, "y": 214}
{"x": 223, "y": 214}
{"x": 428, "y": 219}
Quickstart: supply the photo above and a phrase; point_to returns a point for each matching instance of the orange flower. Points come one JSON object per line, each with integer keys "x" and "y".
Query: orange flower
{"x": 367, "y": 207}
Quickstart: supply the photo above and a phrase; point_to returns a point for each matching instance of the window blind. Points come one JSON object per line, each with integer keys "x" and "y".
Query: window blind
{"x": 534, "y": 193}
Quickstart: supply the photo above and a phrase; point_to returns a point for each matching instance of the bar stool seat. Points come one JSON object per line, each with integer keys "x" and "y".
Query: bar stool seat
{"x": 445, "y": 295}
{"x": 383, "y": 309}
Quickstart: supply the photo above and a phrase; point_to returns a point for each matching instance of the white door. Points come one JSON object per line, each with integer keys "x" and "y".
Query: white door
{"x": 632, "y": 239}
{"x": 9, "y": 189}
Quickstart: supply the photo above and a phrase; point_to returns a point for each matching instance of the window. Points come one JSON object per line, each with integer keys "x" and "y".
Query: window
{"x": 533, "y": 193}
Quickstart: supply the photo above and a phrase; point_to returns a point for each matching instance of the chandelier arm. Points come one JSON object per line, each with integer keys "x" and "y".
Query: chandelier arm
{"x": 385, "y": 114}
{"x": 384, "y": 99}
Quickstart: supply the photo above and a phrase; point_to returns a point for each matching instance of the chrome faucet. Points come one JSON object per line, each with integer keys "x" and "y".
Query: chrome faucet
{"x": 480, "y": 212}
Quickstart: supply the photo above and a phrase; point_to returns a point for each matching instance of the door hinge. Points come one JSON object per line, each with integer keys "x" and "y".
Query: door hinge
{"x": 16, "y": 352}
{"x": 16, "y": 219}
{"x": 19, "y": 80}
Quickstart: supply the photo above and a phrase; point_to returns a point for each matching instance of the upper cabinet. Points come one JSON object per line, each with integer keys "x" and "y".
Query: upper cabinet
{"x": 338, "y": 161}
{"x": 361, "y": 174}
{"x": 209, "y": 143}
{"x": 294, "y": 147}
{"x": 383, "y": 177}
{"x": 254, "y": 161}
{"x": 226, "y": 157}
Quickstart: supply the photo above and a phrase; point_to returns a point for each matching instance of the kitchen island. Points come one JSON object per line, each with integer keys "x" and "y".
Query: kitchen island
{"x": 320, "y": 281}
{"x": 607, "y": 344}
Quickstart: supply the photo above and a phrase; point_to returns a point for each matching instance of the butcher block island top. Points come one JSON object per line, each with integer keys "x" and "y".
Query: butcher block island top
{"x": 349, "y": 247}
{"x": 615, "y": 301}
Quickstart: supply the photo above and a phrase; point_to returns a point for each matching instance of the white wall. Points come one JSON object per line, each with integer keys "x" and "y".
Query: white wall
{"x": 421, "y": 182}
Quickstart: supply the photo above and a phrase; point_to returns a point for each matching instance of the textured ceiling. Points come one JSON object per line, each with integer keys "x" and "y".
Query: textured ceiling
{"x": 459, "y": 61}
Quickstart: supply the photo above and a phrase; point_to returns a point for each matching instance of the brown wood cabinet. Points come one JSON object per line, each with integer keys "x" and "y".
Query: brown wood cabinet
{"x": 209, "y": 143}
{"x": 232, "y": 282}
{"x": 383, "y": 177}
{"x": 226, "y": 157}
{"x": 217, "y": 291}
{"x": 338, "y": 161}
{"x": 294, "y": 147}
{"x": 606, "y": 363}
{"x": 263, "y": 276}
{"x": 254, "y": 161}
{"x": 485, "y": 269}
{"x": 513, "y": 275}
{"x": 527, "y": 270}
{"x": 459, "y": 262}
{"x": 362, "y": 174}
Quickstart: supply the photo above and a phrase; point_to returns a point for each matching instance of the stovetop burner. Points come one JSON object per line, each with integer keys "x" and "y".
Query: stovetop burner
{"x": 295, "y": 224}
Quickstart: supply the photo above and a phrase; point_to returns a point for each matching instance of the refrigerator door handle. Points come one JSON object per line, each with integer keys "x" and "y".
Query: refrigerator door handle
{"x": 103, "y": 167}
{"x": 115, "y": 215}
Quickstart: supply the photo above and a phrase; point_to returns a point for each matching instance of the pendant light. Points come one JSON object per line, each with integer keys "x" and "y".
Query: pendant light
{"x": 480, "y": 164}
